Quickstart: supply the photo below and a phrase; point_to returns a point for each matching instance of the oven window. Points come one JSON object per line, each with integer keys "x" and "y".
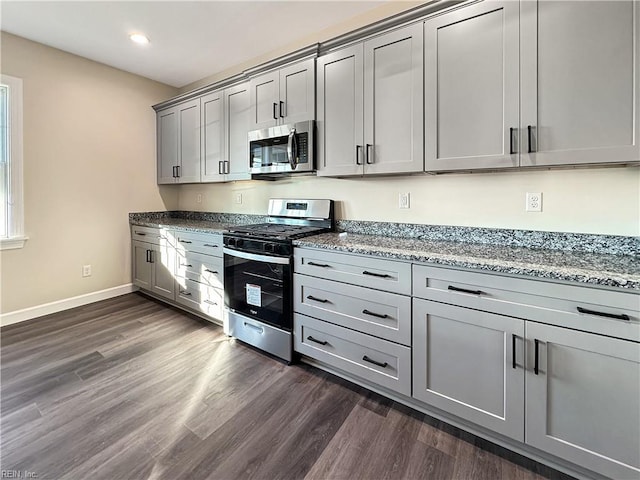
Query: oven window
{"x": 259, "y": 290}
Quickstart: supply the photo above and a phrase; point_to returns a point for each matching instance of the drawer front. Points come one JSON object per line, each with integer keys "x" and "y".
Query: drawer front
{"x": 200, "y": 297}
{"x": 155, "y": 236}
{"x": 206, "y": 269}
{"x": 354, "y": 353}
{"x": 558, "y": 304}
{"x": 372, "y": 272}
{"x": 382, "y": 314}
{"x": 207, "y": 243}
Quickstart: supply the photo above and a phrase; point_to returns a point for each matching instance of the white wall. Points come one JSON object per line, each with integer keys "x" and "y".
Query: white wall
{"x": 89, "y": 160}
{"x": 594, "y": 200}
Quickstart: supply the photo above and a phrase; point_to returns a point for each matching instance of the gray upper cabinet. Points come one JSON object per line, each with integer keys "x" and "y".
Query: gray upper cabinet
{"x": 580, "y": 82}
{"x": 237, "y": 115}
{"x": 178, "y": 131}
{"x": 213, "y": 146}
{"x": 471, "y": 87}
{"x": 583, "y": 399}
{"x": 370, "y": 100}
{"x": 286, "y": 95}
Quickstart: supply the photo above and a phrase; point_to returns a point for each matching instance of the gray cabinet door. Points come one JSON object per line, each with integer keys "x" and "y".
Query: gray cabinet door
{"x": 162, "y": 273}
{"x": 393, "y": 102}
{"x": 583, "y": 405}
{"x": 340, "y": 112}
{"x": 189, "y": 142}
{"x": 141, "y": 266}
{"x": 237, "y": 111}
{"x": 580, "y": 82}
{"x": 265, "y": 91}
{"x": 167, "y": 144}
{"x": 471, "y": 87}
{"x": 213, "y": 151}
{"x": 470, "y": 364}
{"x": 297, "y": 92}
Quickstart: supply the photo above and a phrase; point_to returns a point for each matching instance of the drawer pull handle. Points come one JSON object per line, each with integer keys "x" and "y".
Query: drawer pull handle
{"x": 314, "y": 264}
{"x": 185, "y": 265}
{"x": 210, "y": 271}
{"x": 254, "y": 327}
{"x": 367, "y": 359}
{"x": 185, "y": 241}
{"x": 210, "y": 302}
{"x": 187, "y": 294}
{"x": 311, "y": 339}
{"x": 379, "y": 275}
{"x": 210, "y": 245}
{"x": 622, "y": 316}
{"x": 536, "y": 361}
{"x": 315, "y": 299}
{"x": 465, "y": 290}
{"x": 513, "y": 350}
{"x": 141, "y": 234}
{"x": 374, "y": 314}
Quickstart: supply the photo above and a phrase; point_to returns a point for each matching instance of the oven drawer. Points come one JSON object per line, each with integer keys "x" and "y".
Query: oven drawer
{"x": 545, "y": 302}
{"x": 206, "y": 269}
{"x": 265, "y": 337}
{"x": 377, "y": 361}
{"x": 381, "y": 274}
{"x": 207, "y": 243}
{"x": 382, "y": 314}
{"x": 200, "y": 297}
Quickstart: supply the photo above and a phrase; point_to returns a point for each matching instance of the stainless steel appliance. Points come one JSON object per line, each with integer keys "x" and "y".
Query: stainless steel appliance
{"x": 258, "y": 272}
{"x": 282, "y": 149}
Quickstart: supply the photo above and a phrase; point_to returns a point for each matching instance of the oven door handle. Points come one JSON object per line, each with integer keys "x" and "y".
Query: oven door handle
{"x": 255, "y": 257}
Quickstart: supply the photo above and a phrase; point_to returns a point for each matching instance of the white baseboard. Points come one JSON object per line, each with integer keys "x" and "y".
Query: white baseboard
{"x": 64, "y": 304}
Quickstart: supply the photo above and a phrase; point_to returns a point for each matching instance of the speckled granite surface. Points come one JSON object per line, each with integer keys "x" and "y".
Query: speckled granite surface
{"x": 622, "y": 271}
{"x": 203, "y": 222}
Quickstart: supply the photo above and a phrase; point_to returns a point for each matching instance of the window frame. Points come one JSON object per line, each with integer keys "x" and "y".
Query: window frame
{"x": 15, "y": 224}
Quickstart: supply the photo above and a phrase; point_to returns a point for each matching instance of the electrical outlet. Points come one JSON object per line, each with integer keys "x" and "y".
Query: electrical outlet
{"x": 404, "y": 200}
{"x": 199, "y": 198}
{"x": 86, "y": 270}
{"x": 239, "y": 198}
{"x": 533, "y": 202}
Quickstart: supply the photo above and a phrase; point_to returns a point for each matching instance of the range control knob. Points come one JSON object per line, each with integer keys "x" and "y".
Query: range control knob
{"x": 231, "y": 241}
{"x": 269, "y": 247}
{"x": 239, "y": 242}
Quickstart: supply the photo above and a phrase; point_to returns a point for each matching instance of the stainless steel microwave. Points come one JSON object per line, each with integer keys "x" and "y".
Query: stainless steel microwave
{"x": 282, "y": 149}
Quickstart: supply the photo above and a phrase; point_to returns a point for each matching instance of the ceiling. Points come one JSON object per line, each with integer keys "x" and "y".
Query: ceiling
{"x": 189, "y": 40}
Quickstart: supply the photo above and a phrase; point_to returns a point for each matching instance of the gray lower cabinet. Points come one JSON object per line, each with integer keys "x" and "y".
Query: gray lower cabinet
{"x": 369, "y": 106}
{"x": 153, "y": 261}
{"x": 583, "y": 399}
{"x": 372, "y": 359}
{"x": 470, "y": 364}
{"x": 141, "y": 266}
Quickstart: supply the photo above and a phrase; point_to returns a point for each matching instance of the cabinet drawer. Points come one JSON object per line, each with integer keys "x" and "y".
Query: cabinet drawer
{"x": 389, "y": 275}
{"x": 354, "y": 353}
{"x": 382, "y": 314}
{"x": 206, "y": 269}
{"x": 200, "y": 297}
{"x": 155, "y": 236}
{"x": 207, "y": 243}
{"x": 559, "y": 304}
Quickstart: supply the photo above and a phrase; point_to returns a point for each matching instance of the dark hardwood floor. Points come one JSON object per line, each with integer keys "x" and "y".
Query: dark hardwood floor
{"x": 128, "y": 388}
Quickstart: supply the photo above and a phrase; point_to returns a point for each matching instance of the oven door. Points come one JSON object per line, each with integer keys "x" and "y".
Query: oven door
{"x": 259, "y": 286}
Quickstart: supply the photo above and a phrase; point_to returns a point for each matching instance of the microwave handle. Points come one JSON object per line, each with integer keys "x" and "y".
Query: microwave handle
{"x": 292, "y": 149}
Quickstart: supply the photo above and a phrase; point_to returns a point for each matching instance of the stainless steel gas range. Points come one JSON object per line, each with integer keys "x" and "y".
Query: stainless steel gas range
{"x": 258, "y": 273}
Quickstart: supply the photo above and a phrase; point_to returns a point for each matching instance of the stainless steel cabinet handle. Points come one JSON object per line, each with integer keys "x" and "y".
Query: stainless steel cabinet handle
{"x": 178, "y": 171}
{"x": 368, "y": 157}
{"x": 367, "y": 359}
{"x": 275, "y": 116}
{"x": 227, "y": 168}
{"x": 220, "y": 172}
{"x": 358, "y": 150}
{"x": 254, "y": 327}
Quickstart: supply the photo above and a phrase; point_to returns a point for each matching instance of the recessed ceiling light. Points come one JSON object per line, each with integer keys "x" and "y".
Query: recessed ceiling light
{"x": 139, "y": 38}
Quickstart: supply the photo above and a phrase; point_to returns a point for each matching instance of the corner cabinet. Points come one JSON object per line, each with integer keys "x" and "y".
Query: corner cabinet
{"x": 494, "y": 97}
{"x": 285, "y": 95}
{"x": 178, "y": 143}
{"x": 369, "y": 106}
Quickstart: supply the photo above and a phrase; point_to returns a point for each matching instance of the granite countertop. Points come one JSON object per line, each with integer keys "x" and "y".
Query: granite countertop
{"x": 598, "y": 269}
{"x": 200, "y": 226}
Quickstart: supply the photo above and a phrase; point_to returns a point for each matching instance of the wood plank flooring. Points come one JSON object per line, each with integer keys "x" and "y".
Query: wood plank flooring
{"x": 129, "y": 388}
